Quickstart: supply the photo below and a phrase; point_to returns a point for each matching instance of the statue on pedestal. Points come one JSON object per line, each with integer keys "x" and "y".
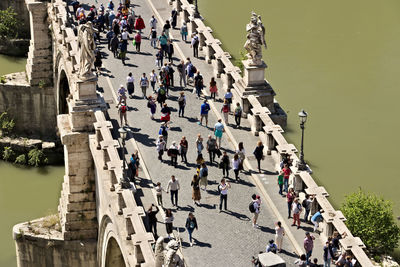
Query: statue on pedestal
{"x": 255, "y": 39}
{"x": 87, "y": 47}
{"x": 167, "y": 257}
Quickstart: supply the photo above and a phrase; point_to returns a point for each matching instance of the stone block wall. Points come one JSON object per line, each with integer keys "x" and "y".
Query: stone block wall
{"x": 23, "y": 14}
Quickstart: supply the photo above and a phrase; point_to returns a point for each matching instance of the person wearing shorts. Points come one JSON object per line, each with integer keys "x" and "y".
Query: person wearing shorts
{"x": 204, "y": 109}
{"x": 218, "y": 130}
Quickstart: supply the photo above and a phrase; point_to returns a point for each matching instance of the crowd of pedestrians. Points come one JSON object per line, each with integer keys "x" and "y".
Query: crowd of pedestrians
{"x": 121, "y": 25}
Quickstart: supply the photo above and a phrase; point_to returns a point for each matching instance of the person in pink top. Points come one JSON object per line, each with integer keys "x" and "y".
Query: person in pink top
{"x": 286, "y": 174}
{"x": 213, "y": 88}
{"x": 138, "y": 40}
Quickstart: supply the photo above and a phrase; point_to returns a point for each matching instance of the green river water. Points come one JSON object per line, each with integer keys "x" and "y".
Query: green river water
{"x": 336, "y": 59}
{"x": 25, "y": 193}
{"x": 339, "y": 61}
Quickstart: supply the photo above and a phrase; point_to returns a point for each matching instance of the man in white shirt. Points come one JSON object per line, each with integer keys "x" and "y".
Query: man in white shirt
{"x": 153, "y": 22}
{"x": 223, "y": 193}
{"x": 125, "y": 36}
{"x": 173, "y": 187}
{"x": 256, "y": 212}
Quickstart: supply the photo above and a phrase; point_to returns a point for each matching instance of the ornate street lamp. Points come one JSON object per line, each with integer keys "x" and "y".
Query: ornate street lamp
{"x": 122, "y": 133}
{"x": 196, "y": 10}
{"x": 302, "y": 166}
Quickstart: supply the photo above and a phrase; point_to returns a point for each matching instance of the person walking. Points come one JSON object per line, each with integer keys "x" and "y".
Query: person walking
{"x": 165, "y": 113}
{"x": 198, "y": 83}
{"x": 121, "y": 94}
{"x": 139, "y": 24}
{"x": 114, "y": 45}
{"x": 279, "y": 234}
{"x": 166, "y": 27}
{"x": 213, "y": 88}
{"x": 171, "y": 74}
{"x": 183, "y": 148}
{"x": 161, "y": 96}
{"x": 204, "y": 109}
{"x": 163, "y": 41}
{"x": 296, "y": 209}
{"x": 164, "y": 131}
{"x": 184, "y": 32}
{"x": 152, "y": 106}
{"x": 170, "y": 50}
{"x": 151, "y": 215}
{"x": 174, "y": 17}
{"x": 153, "y": 80}
{"x": 225, "y": 111}
{"x": 123, "y": 49}
{"x": 218, "y": 131}
{"x": 195, "y": 184}
{"x": 290, "y": 196}
{"x": 144, "y": 83}
{"x": 182, "y": 74}
{"x": 211, "y": 147}
{"x": 328, "y": 253}
{"x": 153, "y": 37}
{"x": 160, "y": 146}
{"x": 259, "y": 154}
{"x": 122, "y": 109}
{"x": 191, "y": 224}
{"x": 173, "y": 153}
{"x": 242, "y": 154}
{"x": 153, "y": 22}
{"x": 199, "y": 144}
{"x": 182, "y": 104}
{"x": 280, "y": 182}
{"x": 195, "y": 45}
{"x": 203, "y": 176}
{"x": 238, "y": 114}
{"x": 228, "y": 97}
{"x": 307, "y": 202}
{"x": 224, "y": 165}
{"x": 223, "y": 193}
{"x": 286, "y": 175}
{"x": 236, "y": 165}
{"x": 159, "y": 58}
{"x": 308, "y": 246}
{"x": 173, "y": 187}
{"x": 168, "y": 220}
{"x": 130, "y": 84}
{"x": 138, "y": 41}
{"x": 134, "y": 165}
{"x": 159, "y": 191}
{"x": 255, "y": 210}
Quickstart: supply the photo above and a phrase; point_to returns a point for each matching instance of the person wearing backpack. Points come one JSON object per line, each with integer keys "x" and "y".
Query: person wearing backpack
{"x": 161, "y": 96}
{"x": 254, "y": 208}
{"x": 198, "y": 83}
{"x": 195, "y": 45}
{"x": 159, "y": 58}
{"x": 184, "y": 32}
{"x": 211, "y": 147}
{"x": 224, "y": 164}
{"x": 164, "y": 131}
{"x": 144, "y": 83}
{"x": 296, "y": 209}
{"x": 134, "y": 165}
{"x": 122, "y": 109}
{"x": 203, "y": 176}
{"x": 182, "y": 104}
{"x": 153, "y": 37}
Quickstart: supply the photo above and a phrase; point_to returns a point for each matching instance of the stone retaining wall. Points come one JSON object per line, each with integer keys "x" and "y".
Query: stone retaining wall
{"x": 14, "y": 47}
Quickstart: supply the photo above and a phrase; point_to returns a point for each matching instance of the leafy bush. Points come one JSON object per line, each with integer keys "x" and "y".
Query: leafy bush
{"x": 21, "y": 159}
{"x": 371, "y": 218}
{"x": 9, "y": 23}
{"x": 3, "y": 79}
{"x": 37, "y": 157}
{"x": 6, "y": 124}
{"x": 238, "y": 61}
{"x": 8, "y": 153}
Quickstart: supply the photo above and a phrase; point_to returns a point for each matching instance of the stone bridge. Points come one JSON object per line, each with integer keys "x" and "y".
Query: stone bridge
{"x": 101, "y": 223}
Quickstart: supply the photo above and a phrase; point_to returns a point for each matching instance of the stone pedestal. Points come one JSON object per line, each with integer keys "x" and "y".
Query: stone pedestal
{"x": 254, "y": 83}
{"x": 269, "y": 259}
{"x": 39, "y": 65}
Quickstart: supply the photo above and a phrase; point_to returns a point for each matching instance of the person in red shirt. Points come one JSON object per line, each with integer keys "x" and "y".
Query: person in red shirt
{"x": 139, "y": 24}
{"x": 286, "y": 174}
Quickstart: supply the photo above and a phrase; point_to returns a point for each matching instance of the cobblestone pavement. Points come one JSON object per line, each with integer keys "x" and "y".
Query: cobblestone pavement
{"x": 223, "y": 239}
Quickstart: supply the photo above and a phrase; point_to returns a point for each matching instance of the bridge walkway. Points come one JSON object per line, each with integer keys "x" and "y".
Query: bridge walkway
{"x": 219, "y": 233}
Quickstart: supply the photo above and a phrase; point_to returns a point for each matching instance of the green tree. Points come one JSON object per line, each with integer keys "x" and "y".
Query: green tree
{"x": 37, "y": 157}
{"x": 9, "y": 23}
{"x": 371, "y": 218}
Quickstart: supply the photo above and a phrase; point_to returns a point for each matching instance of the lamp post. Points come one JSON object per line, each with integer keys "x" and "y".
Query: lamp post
{"x": 122, "y": 133}
{"x": 196, "y": 10}
{"x": 303, "y": 118}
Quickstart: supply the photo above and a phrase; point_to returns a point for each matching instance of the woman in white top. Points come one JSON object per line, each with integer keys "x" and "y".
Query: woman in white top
{"x": 279, "y": 233}
{"x": 153, "y": 80}
{"x": 235, "y": 165}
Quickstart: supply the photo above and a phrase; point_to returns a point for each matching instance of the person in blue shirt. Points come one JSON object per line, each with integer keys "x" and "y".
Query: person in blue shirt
{"x": 272, "y": 247}
{"x": 204, "y": 109}
{"x": 316, "y": 218}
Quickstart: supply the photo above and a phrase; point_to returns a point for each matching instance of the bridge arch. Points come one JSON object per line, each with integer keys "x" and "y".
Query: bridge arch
{"x": 62, "y": 85}
{"x": 108, "y": 245}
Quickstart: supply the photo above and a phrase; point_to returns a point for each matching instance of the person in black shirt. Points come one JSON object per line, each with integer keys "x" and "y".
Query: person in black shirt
{"x": 198, "y": 82}
{"x": 151, "y": 214}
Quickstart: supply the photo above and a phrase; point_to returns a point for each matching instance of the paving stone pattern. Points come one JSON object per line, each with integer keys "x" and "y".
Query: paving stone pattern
{"x": 223, "y": 239}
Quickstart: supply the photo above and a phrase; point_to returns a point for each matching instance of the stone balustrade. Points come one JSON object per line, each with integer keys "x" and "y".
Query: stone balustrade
{"x": 271, "y": 134}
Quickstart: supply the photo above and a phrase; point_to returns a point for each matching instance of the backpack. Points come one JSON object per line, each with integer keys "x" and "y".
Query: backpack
{"x": 123, "y": 109}
{"x": 196, "y": 41}
{"x": 304, "y": 203}
{"x": 251, "y": 207}
{"x": 162, "y": 91}
{"x": 181, "y": 101}
{"x": 193, "y": 69}
{"x": 205, "y": 172}
{"x": 225, "y": 108}
{"x": 219, "y": 189}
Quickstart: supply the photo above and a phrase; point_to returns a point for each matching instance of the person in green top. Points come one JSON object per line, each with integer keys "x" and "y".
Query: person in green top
{"x": 280, "y": 182}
